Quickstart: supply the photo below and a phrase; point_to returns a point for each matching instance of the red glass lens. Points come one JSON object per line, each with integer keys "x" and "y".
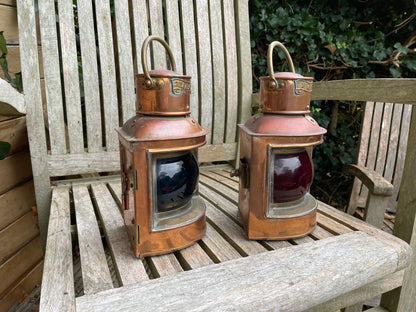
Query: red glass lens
{"x": 293, "y": 175}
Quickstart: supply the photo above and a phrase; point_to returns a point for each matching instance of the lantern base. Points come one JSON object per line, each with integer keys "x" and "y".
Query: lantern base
{"x": 281, "y": 228}
{"x": 173, "y": 239}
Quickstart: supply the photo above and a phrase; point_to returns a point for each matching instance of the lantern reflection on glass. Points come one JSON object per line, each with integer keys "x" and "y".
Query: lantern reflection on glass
{"x": 162, "y": 209}
{"x": 276, "y": 169}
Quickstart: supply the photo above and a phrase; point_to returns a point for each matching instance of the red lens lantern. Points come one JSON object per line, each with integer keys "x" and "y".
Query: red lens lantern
{"x": 162, "y": 209}
{"x": 276, "y": 168}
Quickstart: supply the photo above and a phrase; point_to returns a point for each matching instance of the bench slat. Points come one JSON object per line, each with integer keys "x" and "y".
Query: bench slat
{"x": 95, "y": 272}
{"x": 57, "y": 293}
{"x": 128, "y": 268}
{"x": 166, "y": 264}
{"x": 339, "y": 264}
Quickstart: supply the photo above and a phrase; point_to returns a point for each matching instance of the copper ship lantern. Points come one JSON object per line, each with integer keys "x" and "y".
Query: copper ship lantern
{"x": 162, "y": 209}
{"x": 276, "y": 169}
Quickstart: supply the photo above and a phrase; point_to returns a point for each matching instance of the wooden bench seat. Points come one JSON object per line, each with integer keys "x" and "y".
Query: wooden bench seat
{"x": 222, "y": 254}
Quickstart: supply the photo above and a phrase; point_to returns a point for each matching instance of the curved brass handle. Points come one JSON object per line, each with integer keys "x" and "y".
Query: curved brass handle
{"x": 270, "y": 61}
{"x": 149, "y": 81}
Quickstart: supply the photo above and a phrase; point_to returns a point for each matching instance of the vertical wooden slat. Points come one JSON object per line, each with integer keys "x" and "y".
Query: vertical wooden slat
{"x": 71, "y": 78}
{"x": 384, "y": 138}
{"x": 108, "y": 73}
{"x": 190, "y": 64}
{"x": 34, "y": 110}
{"x": 232, "y": 72}
{"x": 156, "y": 28}
{"x": 140, "y": 26}
{"x": 219, "y": 79}
{"x": 174, "y": 32}
{"x": 57, "y": 293}
{"x": 401, "y": 153}
{"x": 245, "y": 87}
{"x": 393, "y": 141}
{"x": 52, "y": 76}
{"x": 362, "y": 154}
{"x": 90, "y": 75}
{"x": 125, "y": 59}
{"x": 205, "y": 66}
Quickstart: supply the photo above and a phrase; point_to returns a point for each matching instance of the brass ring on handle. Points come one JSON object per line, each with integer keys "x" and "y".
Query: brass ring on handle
{"x": 270, "y": 61}
{"x": 144, "y": 57}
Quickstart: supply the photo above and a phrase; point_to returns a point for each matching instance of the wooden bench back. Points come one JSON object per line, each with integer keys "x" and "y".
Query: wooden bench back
{"x": 90, "y": 59}
{"x": 383, "y": 145}
{"x": 88, "y": 88}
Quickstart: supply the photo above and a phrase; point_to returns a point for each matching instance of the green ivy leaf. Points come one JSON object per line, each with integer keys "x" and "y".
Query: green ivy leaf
{"x": 401, "y": 48}
{"x": 395, "y": 72}
{"x": 3, "y": 45}
{"x": 4, "y": 149}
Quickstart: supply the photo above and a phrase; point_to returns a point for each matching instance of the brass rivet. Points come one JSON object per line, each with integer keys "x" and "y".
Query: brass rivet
{"x": 147, "y": 84}
{"x": 159, "y": 83}
{"x": 272, "y": 85}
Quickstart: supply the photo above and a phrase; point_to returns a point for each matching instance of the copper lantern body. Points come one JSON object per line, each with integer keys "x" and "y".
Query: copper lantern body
{"x": 276, "y": 169}
{"x": 162, "y": 209}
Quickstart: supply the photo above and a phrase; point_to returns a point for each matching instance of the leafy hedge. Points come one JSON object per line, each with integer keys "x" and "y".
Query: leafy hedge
{"x": 335, "y": 40}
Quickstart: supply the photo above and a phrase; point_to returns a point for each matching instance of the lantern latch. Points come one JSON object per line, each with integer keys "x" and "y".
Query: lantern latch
{"x": 243, "y": 172}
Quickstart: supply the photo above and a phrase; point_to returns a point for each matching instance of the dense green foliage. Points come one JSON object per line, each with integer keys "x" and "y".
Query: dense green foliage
{"x": 336, "y": 40}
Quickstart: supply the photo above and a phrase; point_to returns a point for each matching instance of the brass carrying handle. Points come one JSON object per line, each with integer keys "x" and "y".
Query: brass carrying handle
{"x": 144, "y": 57}
{"x": 270, "y": 61}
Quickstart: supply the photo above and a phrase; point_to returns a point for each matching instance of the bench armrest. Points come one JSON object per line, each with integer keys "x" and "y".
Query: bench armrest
{"x": 378, "y": 187}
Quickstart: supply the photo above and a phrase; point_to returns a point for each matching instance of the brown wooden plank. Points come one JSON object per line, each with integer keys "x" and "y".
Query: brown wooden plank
{"x": 17, "y": 235}
{"x": 391, "y": 90}
{"x": 17, "y": 168}
{"x": 23, "y": 288}
{"x": 8, "y": 24}
{"x": 14, "y": 131}
{"x": 16, "y": 202}
{"x": 22, "y": 262}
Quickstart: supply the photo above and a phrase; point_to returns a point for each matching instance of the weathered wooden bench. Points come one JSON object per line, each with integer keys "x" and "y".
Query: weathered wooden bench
{"x": 343, "y": 262}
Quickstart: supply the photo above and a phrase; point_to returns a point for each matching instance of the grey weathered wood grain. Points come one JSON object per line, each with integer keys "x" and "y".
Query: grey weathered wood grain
{"x": 217, "y": 199}
{"x": 195, "y": 256}
{"x": 222, "y": 250}
{"x": 205, "y": 66}
{"x": 393, "y": 141}
{"x": 95, "y": 273}
{"x": 233, "y": 231}
{"x": 281, "y": 272}
{"x": 219, "y": 73}
{"x": 173, "y": 32}
{"x": 156, "y": 29}
{"x": 90, "y": 75}
{"x": 230, "y": 194}
{"x": 215, "y": 152}
{"x": 402, "y": 149}
{"x": 52, "y": 76}
{"x": 244, "y": 60}
{"x": 34, "y": 110}
{"x": 125, "y": 59}
{"x": 384, "y": 138}
{"x": 129, "y": 269}
{"x": 231, "y": 71}
{"x": 140, "y": 26}
{"x": 108, "y": 73}
{"x": 70, "y": 75}
{"x": 190, "y": 63}
{"x": 166, "y": 265}
{"x": 11, "y": 101}
{"x": 405, "y": 226}
{"x": 60, "y": 165}
{"x": 57, "y": 293}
